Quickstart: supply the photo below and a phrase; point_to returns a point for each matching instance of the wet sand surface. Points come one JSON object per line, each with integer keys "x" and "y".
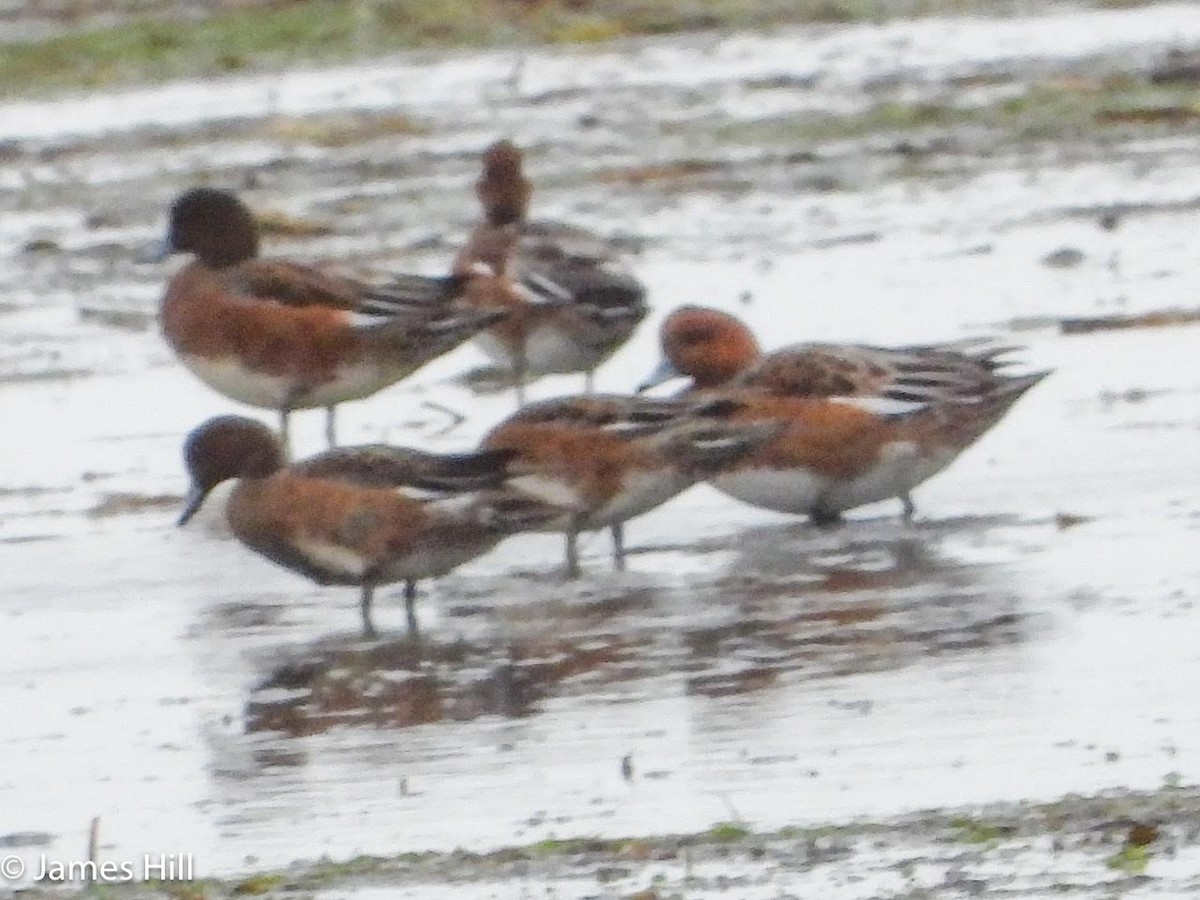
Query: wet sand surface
{"x": 1031, "y": 635}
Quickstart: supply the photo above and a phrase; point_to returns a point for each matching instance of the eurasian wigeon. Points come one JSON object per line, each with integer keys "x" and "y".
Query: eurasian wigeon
{"x": 281, "y": 335}
{"x": 863, "y": 424}
{"x": 572, "y": 301}
{"x": 610, "y": 458}
{"x": 343, "y": 517}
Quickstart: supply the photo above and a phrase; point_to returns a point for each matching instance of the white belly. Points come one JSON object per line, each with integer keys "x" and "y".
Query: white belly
{"x": 433, "y": 562}
{"x": 640, "y": 492}
{"x": 802, "y": 491}
{"x": 900, "y": 469}
{"x": 547, "y": 352}
{"x": 229, "y": 377}
{"x": 780, "y": 490}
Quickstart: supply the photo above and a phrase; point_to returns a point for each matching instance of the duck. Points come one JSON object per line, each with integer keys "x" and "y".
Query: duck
{"x": 608, "y": 458}
{"x": 862, "y": 423}
{"x": 363, "y": 516}
{"x": 571, "y": 300}
{"x": 279, "y": 334}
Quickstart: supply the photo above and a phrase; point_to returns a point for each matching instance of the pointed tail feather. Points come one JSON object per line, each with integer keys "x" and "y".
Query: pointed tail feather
{"x": 1013, "y": 387}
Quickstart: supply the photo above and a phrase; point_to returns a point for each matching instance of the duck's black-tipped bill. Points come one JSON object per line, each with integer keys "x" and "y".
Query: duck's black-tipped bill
{"x": 663, "y": 373}
{"x": 156, "y": 251}
{"x": 195, "y": 499}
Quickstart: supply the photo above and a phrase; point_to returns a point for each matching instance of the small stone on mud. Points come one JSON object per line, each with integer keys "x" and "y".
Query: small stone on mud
{"x": 42, "y": 245}
{"x": 1064, "y": 258}
{"x": 122, "y": 319}
{"x": 1141, "y": 833}
{"x": 26, "y": 839}
{"x": 1064, "y": 520}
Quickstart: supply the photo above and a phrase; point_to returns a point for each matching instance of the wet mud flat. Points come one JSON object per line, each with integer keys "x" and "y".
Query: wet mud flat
{"x": 790, "y": 699}
{"x": 1121, "y": 843}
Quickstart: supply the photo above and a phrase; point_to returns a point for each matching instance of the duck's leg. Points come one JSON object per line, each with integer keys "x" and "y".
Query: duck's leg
{"x": 824, "y": 518}
{"x": 618, "y": 541}
{"x": 573, "y": 547}
{"x": 520, "y": 371}
{"x": 910, "y": 508}
{"x": 331, "y": 426}
{"x": 410, "y": 610}
{"x": 589, "y": 381}
{"x": 368, "y": 594}
{"x": 284, "y": 435}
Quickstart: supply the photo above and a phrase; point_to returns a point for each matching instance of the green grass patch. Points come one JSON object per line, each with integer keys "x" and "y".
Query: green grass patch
{"x": 727, "y": 832}
{"x": 1050, "y": 110}
{"x": 153, "y": 47}
{"x": 573, "y": 846}
{"x": 1131, "y": 860}
{"x": 257, "y": 884}
{"x": 976, "y": 831}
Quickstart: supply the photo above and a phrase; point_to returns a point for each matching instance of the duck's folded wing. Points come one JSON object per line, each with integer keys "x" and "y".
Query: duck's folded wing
{"x": 543, "y": 240}
{"x": 406, "y": 290}
{"x": 608, "y": 412}
{"x": 426, "y": 334}
{"x": 382, "y": 465}
{"x": 916, "y": 375}
{"x": 296, "y": 284}
{"x": 557, "y": 260}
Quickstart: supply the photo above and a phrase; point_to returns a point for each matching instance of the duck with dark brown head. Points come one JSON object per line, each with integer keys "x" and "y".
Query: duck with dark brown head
{"x": 350, "y": 516}
{"x": 281, "y": 335}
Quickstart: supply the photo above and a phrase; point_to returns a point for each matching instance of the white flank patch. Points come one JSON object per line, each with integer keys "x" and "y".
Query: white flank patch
{"x": 453, "y": 506}
{"x": 718, "y": 443}
{"x": 881, "y": 406}
{"x": 332, "y": 557}
{"x": 548, "y": 490}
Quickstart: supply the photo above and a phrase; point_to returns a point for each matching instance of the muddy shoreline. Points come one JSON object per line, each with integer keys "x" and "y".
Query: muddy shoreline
{"x": 1026, "y": 179}
{"x": 1106, "y": 845}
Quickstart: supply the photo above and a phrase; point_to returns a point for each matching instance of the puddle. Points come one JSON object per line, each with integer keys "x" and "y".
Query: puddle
{"x": 1021, "y": 640}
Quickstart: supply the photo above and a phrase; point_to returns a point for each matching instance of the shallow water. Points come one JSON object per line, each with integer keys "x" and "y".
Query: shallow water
{"x": 1025, "y": 638}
